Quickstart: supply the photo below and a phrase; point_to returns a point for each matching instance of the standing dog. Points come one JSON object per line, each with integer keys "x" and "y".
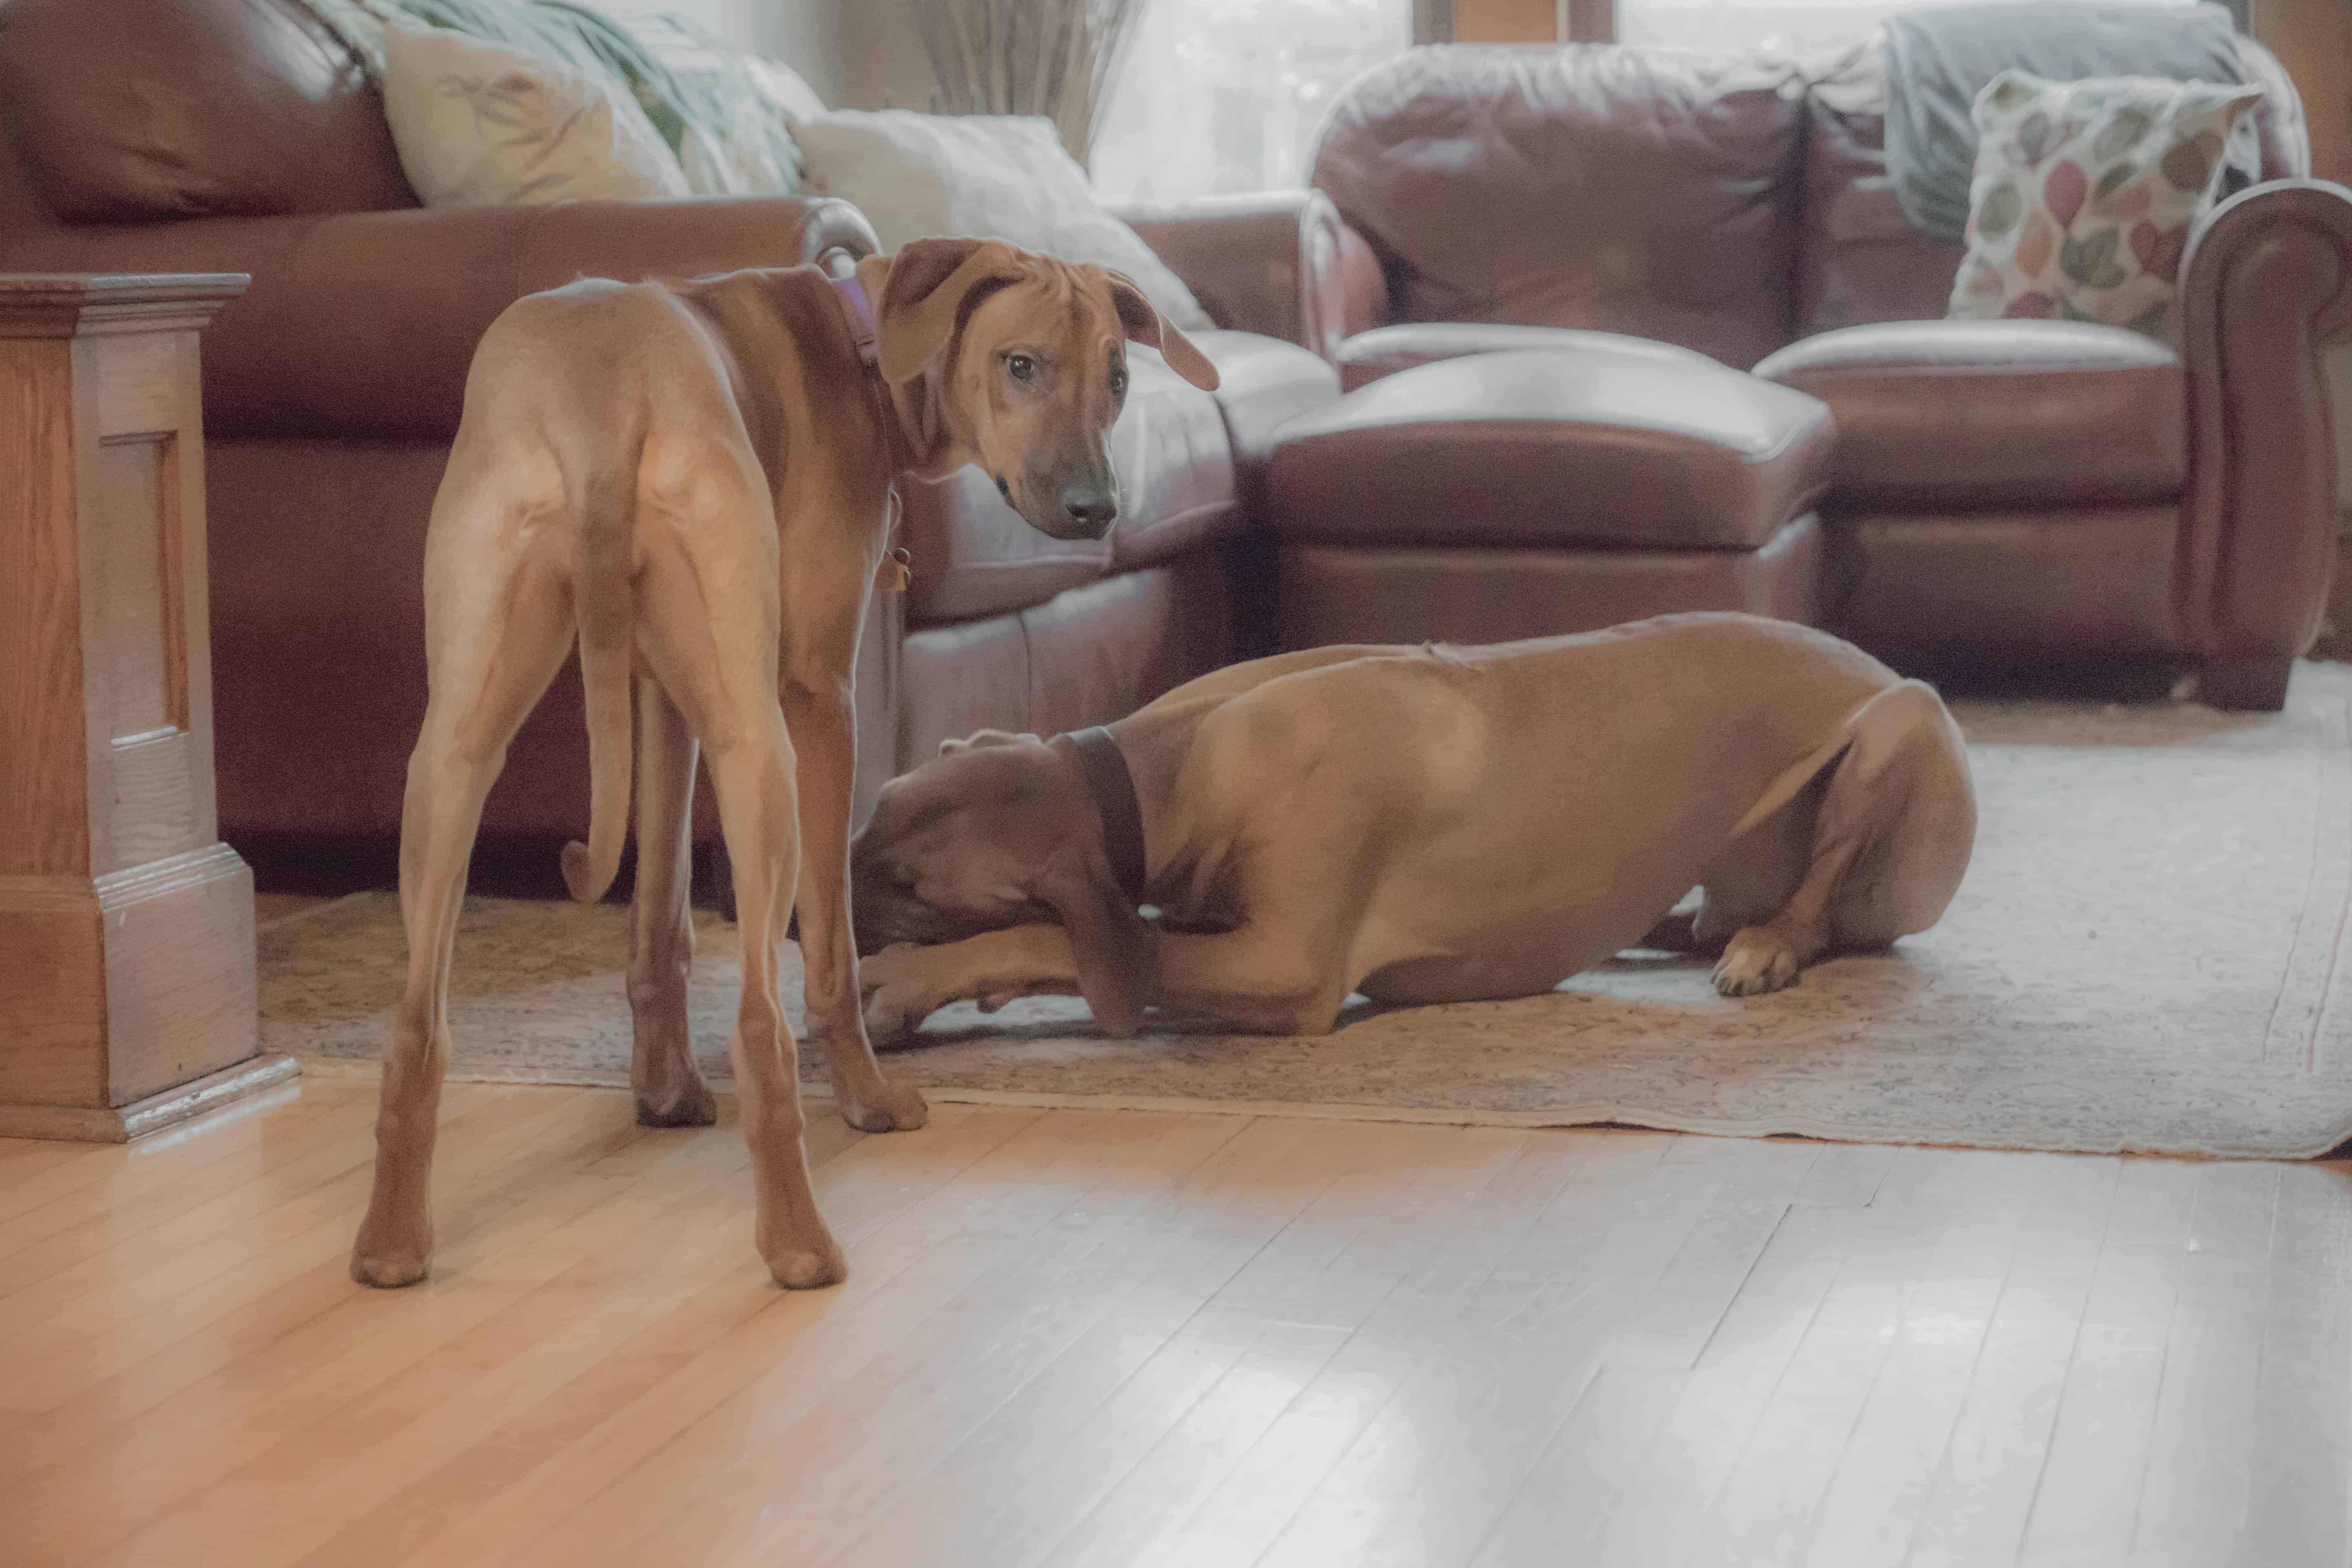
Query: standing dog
{"x": 1427, "y": 824}
{"x": 696, "y": 478}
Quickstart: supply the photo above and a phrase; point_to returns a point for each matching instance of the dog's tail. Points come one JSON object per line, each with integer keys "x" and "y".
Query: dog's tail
{"x": 606, "y": 609}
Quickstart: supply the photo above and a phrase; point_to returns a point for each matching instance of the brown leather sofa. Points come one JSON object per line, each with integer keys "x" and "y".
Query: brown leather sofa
{"x": 239, "y": 136}
{"x": 2002, "y": 493}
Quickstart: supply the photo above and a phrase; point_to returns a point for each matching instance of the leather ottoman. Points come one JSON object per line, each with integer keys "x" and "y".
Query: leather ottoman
{"x": 1537, "y": 491}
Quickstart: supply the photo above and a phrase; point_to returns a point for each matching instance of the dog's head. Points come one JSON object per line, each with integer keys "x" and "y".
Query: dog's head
{"x": 995, "y": 832}
{"x": 1022, "y": 361}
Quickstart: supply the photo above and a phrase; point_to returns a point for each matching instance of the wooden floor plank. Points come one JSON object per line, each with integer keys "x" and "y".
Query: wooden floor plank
{"x": 1332, "y": 1472}
{"x": 2086, "y": 1499}
{"x": 1276, "y": 1316}
{"x": 1127, "y": 1292}
{"x": 1073, "y": 1339}
{"x": 1899, "y": 1438}
{"x": 82, "y": 1224}
{"x": 2197, "y": 1493}
{"x": 1984, "y": 1487}
{"x": 641, "y": 1262}
{"x": 74, "y": 1508}
{"x": 1017, "y": 1220}
{"x": 671, "y": 1321}
{"x": 2300, "y": 1465}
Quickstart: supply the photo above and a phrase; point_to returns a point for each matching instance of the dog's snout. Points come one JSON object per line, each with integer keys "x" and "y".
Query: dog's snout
{"x": 1090, "y": 507}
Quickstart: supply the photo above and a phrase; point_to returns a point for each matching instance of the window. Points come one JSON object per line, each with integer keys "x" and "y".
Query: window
{"x": 1223, "y": 95}
{"x": 1807, "y": 29}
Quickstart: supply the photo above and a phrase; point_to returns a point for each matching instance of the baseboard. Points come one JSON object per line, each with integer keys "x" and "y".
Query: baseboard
{"x": 121, "y": 1124}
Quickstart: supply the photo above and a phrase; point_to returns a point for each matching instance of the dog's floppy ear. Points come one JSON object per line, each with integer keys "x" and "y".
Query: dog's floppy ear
{"x": 1112, "y": 941}
{"x": 923, "y": 298}
{"x": 1140, "y": 320}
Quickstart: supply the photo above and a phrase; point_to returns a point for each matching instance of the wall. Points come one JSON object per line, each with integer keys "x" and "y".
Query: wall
{"x": 2313, "y": 38}
{"x": 1506, "y": 21}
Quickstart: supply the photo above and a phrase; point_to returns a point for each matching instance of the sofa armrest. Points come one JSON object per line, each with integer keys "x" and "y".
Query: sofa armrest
{"x": 2265, "y": 283}
{"x": 363, "y": 324}
{"x": 1282, "y": 263}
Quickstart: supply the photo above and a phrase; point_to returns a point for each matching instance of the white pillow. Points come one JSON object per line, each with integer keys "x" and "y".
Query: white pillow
{"x": 481, "y": 126}
{"x": 979, "y": 176}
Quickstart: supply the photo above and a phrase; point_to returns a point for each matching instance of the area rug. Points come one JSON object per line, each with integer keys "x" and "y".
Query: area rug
{"x": 2147, "y": 955}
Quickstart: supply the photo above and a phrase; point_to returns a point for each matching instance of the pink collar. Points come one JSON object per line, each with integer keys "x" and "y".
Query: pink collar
{"x": 858, "y": 311}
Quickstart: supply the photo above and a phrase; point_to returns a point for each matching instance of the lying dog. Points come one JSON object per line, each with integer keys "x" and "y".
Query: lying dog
{"x": 697, "y": 476}
{"x": 1429, "y": 824}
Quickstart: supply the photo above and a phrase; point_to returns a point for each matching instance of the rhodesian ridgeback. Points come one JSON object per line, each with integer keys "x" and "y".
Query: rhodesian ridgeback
{"x": 695, "y": 479}
{"x": 1423, "y": 824}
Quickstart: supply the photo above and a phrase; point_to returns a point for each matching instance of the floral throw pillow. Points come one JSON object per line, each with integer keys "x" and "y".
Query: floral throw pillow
{"x": 2086, "y": 192}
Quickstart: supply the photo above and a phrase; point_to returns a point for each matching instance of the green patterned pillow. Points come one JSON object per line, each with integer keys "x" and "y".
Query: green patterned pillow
{"x": 721, "y": 113}
{"x": 2086, "y": 193}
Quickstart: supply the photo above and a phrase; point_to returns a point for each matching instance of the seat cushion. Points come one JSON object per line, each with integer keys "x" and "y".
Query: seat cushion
{"x": 1995, "y": 413}
{"x": 1383, "y": 352}
{"x": 1263, "y": 383}
{"x": 975, "y": 555}
{"x": 1607, "y": 444}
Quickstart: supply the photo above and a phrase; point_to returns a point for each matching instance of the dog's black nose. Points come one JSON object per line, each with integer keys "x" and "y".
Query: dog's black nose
{"x": 1090, "y": 508}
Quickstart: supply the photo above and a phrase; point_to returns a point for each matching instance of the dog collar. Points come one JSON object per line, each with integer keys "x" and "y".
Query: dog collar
{"x": 1103, "y": 767}
{"x": 858, "y": 309}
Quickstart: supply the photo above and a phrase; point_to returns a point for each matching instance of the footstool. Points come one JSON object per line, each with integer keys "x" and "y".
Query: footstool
{"x": 1537, "y": 491}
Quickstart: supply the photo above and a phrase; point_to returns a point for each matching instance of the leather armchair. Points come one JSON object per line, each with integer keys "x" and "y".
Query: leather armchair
{"x": 1280, "y": 263}
{"x": 2266, "y": 285}
{"x": 1742, "y": 211}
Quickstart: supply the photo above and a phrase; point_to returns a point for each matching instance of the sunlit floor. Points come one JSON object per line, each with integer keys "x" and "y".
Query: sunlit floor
{"x": 1110, "y": 1338}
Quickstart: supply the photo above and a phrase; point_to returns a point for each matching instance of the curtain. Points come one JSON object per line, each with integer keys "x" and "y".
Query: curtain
{"x": 1053, "y": 57}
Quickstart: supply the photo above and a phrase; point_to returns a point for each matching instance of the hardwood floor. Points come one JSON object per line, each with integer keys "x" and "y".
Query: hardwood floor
{"x": 1074, "y": 1338}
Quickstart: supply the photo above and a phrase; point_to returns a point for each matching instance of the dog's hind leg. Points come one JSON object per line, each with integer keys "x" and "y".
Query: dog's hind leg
{"x": 1891, "y": 840}
{"x": 707, "y": 624}
{"x": 669, "y": 1089}
{"x": 496, "y": 631}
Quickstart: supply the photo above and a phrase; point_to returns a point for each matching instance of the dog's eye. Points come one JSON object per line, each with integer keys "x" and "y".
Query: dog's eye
{"x": 1117, "y": 382}
{"x": 1020, "y": 367}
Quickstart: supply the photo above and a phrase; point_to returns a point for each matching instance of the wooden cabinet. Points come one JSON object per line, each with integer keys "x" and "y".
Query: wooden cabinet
{"x": 126, "y": 996}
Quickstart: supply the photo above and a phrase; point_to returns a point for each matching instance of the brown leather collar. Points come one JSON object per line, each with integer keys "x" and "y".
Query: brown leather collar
{"x": 858, "y": 311}
{"x": 1103, "y": 767}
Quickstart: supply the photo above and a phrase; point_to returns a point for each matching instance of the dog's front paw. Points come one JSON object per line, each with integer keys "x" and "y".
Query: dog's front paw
{"x": 1758, "y": 960}
{"x": 897, "y": 997}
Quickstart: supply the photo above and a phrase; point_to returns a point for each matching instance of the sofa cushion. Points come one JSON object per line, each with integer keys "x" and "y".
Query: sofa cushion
{"x": 981, "y": 176}
{"x": 1860, "y": 259}
{"x": 127, "y": 110}
{"x": 480, "y": 125}
{"x": 1175, "y": 464}
{"x": 1605, "y": 444}
{"x": 1585, "y": 186}
{"x": 1384, "y": 351}
{"x": 2088, "y": 221}
{"x": 974, "y": 555}
{"x": 1993, "y": 413}
{"x": 1263, "y": 383}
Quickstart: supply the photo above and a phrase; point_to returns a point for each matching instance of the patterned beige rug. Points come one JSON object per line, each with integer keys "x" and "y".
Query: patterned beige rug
{"x": 2144, "y": 957}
